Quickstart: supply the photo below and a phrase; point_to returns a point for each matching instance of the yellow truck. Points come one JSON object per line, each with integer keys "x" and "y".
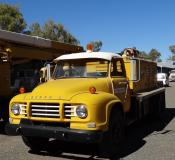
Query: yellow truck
{"x": 90, "y": 98}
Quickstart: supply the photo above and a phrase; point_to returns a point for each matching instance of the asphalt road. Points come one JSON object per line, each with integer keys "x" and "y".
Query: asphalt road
{"x": 146, "y": 140}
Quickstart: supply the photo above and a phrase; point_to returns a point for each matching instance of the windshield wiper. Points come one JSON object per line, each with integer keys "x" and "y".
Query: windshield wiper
{"x": 62, "y": 77}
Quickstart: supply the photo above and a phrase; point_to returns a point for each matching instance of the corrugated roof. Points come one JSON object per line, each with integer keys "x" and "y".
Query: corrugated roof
{"x": 167, "y": 64}
{"x": 36, "y": 41}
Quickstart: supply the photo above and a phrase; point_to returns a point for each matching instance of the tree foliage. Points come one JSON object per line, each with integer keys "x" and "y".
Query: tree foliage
{"x": 11, "y": 19}
{"x": 143, "y": 55}
{"x": 97, "y": 45}
{"x": 35, "y": 30}
{"x": 172, "y": 48}
{"x": 154, "y": 55}
{"x": 53, "y": 31}
{"x": 172, "y": 58}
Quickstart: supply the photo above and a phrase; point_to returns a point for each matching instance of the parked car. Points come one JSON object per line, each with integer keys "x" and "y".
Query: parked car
{"x": 163, "y": 77}
{"x": 172, "y": 76}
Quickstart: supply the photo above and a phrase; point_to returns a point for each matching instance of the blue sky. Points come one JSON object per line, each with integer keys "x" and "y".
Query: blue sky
{"x": 144, "y": 24}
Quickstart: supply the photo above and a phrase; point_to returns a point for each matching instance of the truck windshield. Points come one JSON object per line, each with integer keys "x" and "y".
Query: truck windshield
{"x": 85, "y": 68}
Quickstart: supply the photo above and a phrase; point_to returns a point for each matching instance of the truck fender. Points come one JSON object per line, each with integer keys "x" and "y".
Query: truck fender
{"x": 113, "y": 105}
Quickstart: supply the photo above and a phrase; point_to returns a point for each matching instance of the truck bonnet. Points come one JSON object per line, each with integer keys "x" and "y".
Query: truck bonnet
{"x": 65, "y": 89}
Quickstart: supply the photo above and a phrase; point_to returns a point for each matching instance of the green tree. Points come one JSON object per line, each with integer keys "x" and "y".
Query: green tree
{"x": 35, "y": 30}
{"x": 143, "y": 55}
{"x": 53, "y": 31}
{"x": 172, "y": 49}
{"x": 11, "y": 19}
{"x": 159, "y": 60}
{"x": 97, "y": 45}
{"x": 172, "y": 57}
{"x": 154, "y": 55}
{"x": 50, "y": 30}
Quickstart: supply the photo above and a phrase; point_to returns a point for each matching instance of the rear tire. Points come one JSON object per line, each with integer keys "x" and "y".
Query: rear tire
{"x": 113, "y": 140}
{"x": 36, "y": 144}
{"x": 159, "y": 105}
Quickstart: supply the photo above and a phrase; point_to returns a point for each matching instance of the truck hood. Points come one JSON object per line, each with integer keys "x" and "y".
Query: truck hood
{"x": 65, "y": 89}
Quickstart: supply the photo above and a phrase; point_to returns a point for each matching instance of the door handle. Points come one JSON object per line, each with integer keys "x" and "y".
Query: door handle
{"x": 123, "y": 83}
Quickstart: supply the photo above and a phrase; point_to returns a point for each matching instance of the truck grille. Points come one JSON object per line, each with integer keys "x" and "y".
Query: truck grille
{"x": 46, "y": 110}
{"x": 69, "y": 111}
{"x": 23, "y": 109}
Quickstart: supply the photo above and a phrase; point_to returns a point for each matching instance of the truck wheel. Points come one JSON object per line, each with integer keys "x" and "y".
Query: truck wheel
{"x": 36, "y": 144}
{"x": 54, "y": 149}
{"x": 113, "y": 140}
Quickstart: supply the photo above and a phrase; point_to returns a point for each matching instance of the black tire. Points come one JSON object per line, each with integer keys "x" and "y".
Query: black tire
{"x": 54, "y": 147}
{"x": 158, "y": 106}
{"x": 36, "y": 144}
{"x": 113, "y": 140}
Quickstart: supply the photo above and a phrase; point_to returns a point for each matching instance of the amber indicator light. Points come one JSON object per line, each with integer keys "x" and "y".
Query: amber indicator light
{"x": 22, "y": 90}
{"x": 92, "y": 90}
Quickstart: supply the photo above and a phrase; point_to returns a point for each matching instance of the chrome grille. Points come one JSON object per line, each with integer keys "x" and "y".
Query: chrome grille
{"x": 69, "y": 111}
{"x": 46, "y": 110}
{"x": 23, "y": 108}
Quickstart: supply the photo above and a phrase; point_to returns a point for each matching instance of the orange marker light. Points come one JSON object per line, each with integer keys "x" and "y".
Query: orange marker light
{"x": 90, "y": 47}
{"x": 22, "y": 90}
{"x": 92, "y": 90}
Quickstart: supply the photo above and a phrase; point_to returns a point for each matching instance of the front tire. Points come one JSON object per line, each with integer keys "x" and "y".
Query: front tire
{"x": 36, "y": 144}
{"x": 113, "y": 140}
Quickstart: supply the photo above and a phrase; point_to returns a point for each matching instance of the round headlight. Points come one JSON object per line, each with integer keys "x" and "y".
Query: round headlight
{"x": 15, "y": 109}
{"x": 81, "y": 111}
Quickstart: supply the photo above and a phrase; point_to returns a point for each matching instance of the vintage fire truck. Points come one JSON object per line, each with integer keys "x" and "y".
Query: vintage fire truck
{"x": 90, "y": 98}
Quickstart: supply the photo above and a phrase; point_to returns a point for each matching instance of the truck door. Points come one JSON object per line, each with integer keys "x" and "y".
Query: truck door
{"x": 120, "y": 82}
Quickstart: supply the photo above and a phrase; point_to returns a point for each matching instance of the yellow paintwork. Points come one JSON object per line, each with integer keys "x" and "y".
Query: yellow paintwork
{"x": 78, "y": 93}
{"x": 148, "y": 71}
{"x": 74, "y": 91}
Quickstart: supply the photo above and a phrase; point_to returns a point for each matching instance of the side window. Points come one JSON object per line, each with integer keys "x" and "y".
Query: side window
{"x": 117, "y": 68}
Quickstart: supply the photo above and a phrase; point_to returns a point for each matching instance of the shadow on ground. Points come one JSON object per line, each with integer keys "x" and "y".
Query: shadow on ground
{"x": 138, "y": 131}
{"x": 134, "y": 139}
{"x": 2, "y": 127}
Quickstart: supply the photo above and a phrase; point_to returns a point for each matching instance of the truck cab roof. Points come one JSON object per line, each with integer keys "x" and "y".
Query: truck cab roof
{"x": 84, "y": 55}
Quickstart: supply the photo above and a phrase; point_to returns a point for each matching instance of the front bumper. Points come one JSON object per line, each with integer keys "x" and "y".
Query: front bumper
{"x": 12, "y": 129}
{"x": 27, "y": 128}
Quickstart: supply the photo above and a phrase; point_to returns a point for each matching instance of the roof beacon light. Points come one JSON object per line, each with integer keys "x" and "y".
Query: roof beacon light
{"x": 90, "y": 47}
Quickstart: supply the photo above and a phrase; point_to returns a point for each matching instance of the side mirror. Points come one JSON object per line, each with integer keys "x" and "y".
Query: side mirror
{"x": 42, "y": 80}
{"x": 42, "y": 74}
{"x": 45, "y": 73}
{"x": 135, "y": 70}
{"x": 48, "y": 77}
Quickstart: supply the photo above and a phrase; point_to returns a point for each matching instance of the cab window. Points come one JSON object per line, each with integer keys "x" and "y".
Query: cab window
{"x": 117, "y": 68}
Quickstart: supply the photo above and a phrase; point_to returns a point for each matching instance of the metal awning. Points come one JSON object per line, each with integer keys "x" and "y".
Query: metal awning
{"x": 33, "y": 47}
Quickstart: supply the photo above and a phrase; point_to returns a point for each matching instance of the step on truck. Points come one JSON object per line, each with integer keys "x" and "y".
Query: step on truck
{"x": 90, "y": 98}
